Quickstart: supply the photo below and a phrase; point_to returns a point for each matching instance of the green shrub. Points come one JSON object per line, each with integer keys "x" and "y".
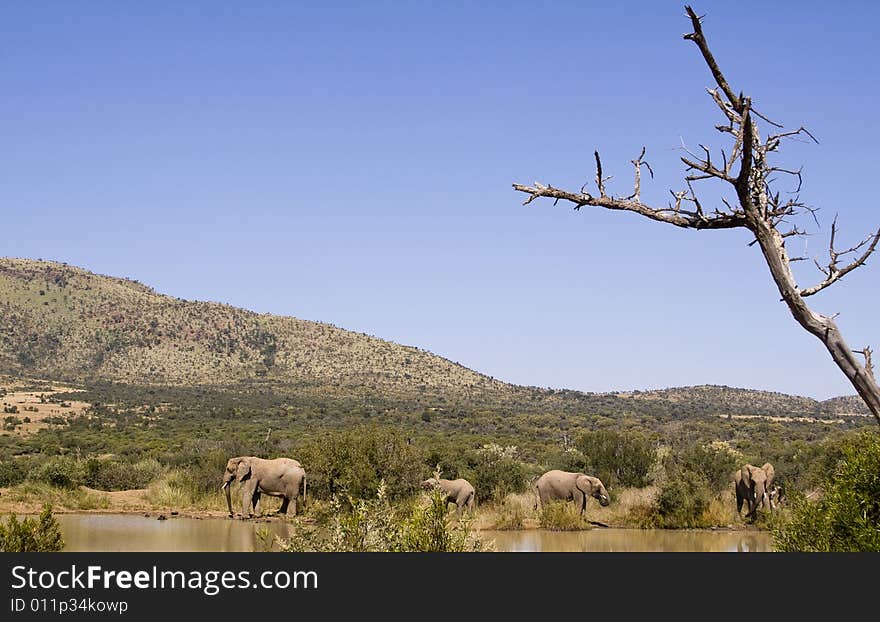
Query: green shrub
{"x": 114, "y": 475}
{"x": 60, "y": 471}
{"x": 682, "y": 503}
{"x": 353, "y": 462}
{"x": 14, "y": 471}
{"x": 847, "y": 516}
{"x": 617, "y": 458}
{"x": 715, "y": 463}
{"x": 374, "y": 525}
{"x": 495, "y": 472}
{"x": 31, "y": 535}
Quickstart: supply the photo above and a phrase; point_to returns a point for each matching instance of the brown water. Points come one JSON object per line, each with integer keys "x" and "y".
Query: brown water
{"x": 116, "y": 532}
{"x": 631, "y": 540}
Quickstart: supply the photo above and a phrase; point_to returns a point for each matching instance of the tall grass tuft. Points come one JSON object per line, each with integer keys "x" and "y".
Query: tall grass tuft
{"x": 563, "y": 516}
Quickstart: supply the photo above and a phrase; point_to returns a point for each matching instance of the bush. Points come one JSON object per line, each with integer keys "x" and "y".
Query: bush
{"x": 682, "y": 502}
{"x": 14, "y": 472}
{"x": 496, "y": 472}
{"x": 716, "y": 463}
{"x": 31, "y": 535}
{"x": 354, "y": 462}
{"x": 847, "y": 516}
{"x": 374, "y": 525}
{"x": 617, "y": 458}
{"x": 113, "y": 475}
{"x": 60, "y": 471}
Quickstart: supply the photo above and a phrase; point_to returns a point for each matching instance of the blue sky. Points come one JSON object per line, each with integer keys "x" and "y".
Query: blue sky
{"x": 352, "y": 163}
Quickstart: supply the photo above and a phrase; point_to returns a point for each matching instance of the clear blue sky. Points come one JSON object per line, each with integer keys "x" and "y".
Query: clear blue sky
{"x": 352, "y": 163}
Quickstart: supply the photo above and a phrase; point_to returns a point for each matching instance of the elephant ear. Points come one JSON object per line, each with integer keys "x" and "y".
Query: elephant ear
{"x": 585, "y": 484}
{"x": 243, "y": 471}
{"x": 771, "y": 473}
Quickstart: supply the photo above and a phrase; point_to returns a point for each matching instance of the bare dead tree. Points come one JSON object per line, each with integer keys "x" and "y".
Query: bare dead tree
{"x": 747, "y": 167}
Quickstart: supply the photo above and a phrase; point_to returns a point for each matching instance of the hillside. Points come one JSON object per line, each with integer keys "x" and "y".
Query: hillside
{"x": 59, "y": 321}
{"x": 64, "y": 323}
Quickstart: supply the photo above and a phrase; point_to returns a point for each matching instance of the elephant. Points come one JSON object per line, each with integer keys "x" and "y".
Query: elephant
{"x": 566, "y": 486}
{"x": 753, "y": 486}
{"x": 281, "y": 477}
{"x": 457, "y": 491}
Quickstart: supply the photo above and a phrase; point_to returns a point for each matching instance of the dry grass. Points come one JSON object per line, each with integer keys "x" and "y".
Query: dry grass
{"x": 36, "y": 406}
{"x": 29, "y": 497}
{"x": 515, "y": 511}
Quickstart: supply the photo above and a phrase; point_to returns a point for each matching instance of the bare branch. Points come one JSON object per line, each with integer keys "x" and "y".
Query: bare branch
{"x": 869, "y": 365}
{"x": 697, "y": 37}
{"x": 680, "y": 218}
{"x": 773, "y": 123}
{"x": 638, "y": 163}
{"x": 600, "y": 181}
{"x": 832, "y": 272}
{"x": 726, "y": 108}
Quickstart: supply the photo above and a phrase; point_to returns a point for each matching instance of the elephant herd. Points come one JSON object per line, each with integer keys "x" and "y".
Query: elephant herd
{"x": 286, "y": 478}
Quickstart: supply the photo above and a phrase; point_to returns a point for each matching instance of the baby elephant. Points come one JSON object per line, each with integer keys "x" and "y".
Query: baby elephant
{"x": 457, "y": 491}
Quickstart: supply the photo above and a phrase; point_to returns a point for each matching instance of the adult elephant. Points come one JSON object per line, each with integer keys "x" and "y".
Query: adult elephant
{"x": 281, "y": 477}
{"x": 566, "y": 486}
{"x": 753, "y": 485}
{"x": 458, "y": 491}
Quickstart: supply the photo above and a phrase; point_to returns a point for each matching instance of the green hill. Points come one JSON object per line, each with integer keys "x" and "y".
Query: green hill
{"x": 64, "y": 323}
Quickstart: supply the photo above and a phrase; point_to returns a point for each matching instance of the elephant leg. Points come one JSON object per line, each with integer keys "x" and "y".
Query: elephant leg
{"x": 753, "y": 509}
{"x": 460, "y": 503}
{"x": 248, "y": 490}
{"x": 580, "y": 501}
{"x": 256, "y": 502}
{"x": 284, "y": 503}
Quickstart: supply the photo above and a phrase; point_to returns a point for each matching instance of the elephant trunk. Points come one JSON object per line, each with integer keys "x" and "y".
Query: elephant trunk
{"x": 761, "y": 496}
{"x": 304, "y": 492}
{"x": 226, "y": 487}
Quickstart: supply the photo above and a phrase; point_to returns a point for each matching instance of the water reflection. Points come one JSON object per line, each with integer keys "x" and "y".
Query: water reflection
{"x": 113, "y": 532}
{"x": 103, "y": 532}
{"x": 630, "y": 540}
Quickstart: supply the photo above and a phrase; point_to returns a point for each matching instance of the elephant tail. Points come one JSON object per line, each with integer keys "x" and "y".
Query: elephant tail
{"x": 304, "y": 491}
